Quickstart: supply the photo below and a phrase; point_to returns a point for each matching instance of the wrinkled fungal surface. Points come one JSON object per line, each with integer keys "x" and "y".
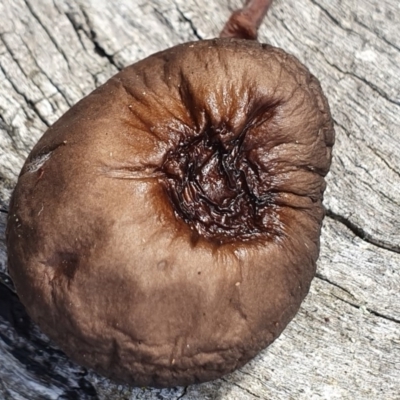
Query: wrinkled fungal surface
{"x": 215, "y": 187}
{"x": 166, "y": 228}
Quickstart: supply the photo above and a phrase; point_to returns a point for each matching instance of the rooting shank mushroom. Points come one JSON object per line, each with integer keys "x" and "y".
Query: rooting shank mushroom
{"x": 166, "y": 228}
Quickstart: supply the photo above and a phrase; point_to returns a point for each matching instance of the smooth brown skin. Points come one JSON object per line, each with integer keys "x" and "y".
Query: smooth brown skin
{"x": 105, "y": 261}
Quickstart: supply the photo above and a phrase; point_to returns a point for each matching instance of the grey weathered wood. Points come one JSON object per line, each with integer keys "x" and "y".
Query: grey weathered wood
{"x": 345, "y": 341}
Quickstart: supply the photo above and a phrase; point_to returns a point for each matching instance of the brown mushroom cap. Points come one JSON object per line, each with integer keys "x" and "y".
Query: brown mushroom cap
{"x": 166, "y": 228}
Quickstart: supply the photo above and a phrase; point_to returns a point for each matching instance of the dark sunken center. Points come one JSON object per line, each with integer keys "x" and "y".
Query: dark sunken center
{"x": 215, "y": 188}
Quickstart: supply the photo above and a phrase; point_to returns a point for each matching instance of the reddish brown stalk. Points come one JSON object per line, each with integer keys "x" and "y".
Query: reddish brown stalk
{"x": 244, "y": 23}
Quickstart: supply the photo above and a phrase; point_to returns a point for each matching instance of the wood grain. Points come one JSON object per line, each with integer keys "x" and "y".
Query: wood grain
{"x": 345, "y": 341}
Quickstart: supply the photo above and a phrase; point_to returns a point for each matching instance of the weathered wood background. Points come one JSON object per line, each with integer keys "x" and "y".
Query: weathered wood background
{"x": 345, "y": 342}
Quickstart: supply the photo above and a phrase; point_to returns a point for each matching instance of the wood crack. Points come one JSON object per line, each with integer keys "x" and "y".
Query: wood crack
{"x": 325, "y": 279}
{"x": 369, "y": 310}
{"x": 359, "y": 22}
{"x": 373, "y": 150}
{"x": 242, "y": 388}
{"x": 185, "y": 389}
{"x": 7, "y": 282}
{"x": 288, "y": 30}
{"x": 383, "y": 160}
{"x": 48, "y": 32}
{"x": 332, "y": 18}
{"x": 360, "y": 232}
{"x": 58, "y": 90}
{"x": 365, "y": 81}
{"x": 77, "y": 29}
{"x": 373, "y": 87}
{"x": 10, "y": 133}
{"x": 9, "y": 50}
{"x": 60, "y": 50}
{"x": 190, "y": 22}
{"x": 28, "y": 101}
{"x": 98, "y": 48}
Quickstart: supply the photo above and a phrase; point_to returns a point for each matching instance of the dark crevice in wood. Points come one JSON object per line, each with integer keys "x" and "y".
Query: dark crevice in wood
{"x": 287, "y": 29}
{"x": 369, "y": 310}
{"x": 360, "y": 232}
{"x": 163, "y": 18}
{"x": 332, "y": 18}
{"x": 6, "y": 281}
{"x": 77, "y": 28}
{"x": 325, "y": 279}
{"x": 99, "y": 50}
{"x": 44, "y": 72}
{"x": 48, "y": 32}
{"x": 59, "y": 49}
{"x": 359, "y": 22}
{"x": 28, "y": 101}
{"x": 383, "y": 160}
{"x": 231, "y": 382}
{"x": 254, "y": 377}
{"x": 10, "y": 133}
{"x": 10, "y": 51}
{"x": 373, "y": 87}
{"x": 190, "y": 22}
{"x": 185, "y": 389}
{"x": 376, "y": 89}
{"x": 92, "y": 36}
{"x": 376, "y": 153}
{"x": 35, "y": 353}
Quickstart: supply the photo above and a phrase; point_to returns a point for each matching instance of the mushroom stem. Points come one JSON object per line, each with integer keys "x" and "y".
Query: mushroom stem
{"x": 244, "y": 23}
